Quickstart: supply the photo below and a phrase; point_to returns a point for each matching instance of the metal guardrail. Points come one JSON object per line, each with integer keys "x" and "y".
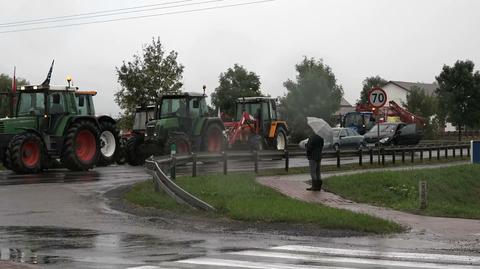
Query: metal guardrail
{"x": 162, "y": 181}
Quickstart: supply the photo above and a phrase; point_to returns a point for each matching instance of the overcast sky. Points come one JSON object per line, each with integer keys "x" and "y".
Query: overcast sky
{"x": 398, "y": 40}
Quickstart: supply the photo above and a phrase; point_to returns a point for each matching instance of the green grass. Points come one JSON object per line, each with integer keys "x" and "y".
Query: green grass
{"x": 366, "y": 165}
{"x": 1, "y": 167}
{"x": 452, "y": 191}
{"x": 240, "y": 197}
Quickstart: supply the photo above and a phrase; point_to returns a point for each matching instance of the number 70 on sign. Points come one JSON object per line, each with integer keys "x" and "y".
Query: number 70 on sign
{"x": 377, "y": 97}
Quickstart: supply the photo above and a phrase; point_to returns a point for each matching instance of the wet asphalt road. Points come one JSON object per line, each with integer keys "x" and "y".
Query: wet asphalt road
{"x": 61, "y": 219}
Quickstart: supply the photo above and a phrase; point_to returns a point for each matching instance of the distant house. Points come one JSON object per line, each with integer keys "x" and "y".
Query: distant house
{"x": 398, "y": 90}
{"x": 345, "y": 107}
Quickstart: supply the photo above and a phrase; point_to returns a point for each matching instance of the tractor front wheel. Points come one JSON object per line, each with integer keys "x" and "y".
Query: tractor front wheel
{"x": 213, "y": 140}
{"x": 81, "y": 146}
{"x": 26, "y": 153}
{"x": 280, "y": 140}
{"x": 134, "y": 156}
{"x": 109, "y": 143}
{"x": 181, "y": 142}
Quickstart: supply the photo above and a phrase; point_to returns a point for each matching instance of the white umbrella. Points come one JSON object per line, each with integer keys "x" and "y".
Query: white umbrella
{"x": 321, "y": 128}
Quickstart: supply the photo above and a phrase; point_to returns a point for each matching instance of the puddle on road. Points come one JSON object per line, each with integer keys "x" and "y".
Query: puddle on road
{"x": 53, "y": 247}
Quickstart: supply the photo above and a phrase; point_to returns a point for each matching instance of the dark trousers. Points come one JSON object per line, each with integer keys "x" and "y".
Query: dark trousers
{"x": 315, "y": 170}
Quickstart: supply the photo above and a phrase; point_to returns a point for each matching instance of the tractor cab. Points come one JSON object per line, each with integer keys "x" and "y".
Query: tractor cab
{"x": 257, "y": 124}
{"x": 6, "y": 108}
{"x": 85, "y": 102}
{"x": 143, "y": 114}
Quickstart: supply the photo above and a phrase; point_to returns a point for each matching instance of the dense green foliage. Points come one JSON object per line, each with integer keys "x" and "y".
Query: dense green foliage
{"x": 315, "y": 93}
{"x": 147, "y": 76}
{"x": 240, "y": 197}
{"x": 459, "y": 94}
{"x": 452, "y": 192}
{"x": 424, "y": 105}
{"x": 369, "y": 83}
{"x": 235, "y": 83}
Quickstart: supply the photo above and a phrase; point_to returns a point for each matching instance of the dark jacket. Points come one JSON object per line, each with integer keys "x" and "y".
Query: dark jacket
{"x": 314, "y": 147}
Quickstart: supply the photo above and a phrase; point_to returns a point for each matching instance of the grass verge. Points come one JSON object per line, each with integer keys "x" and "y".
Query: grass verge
{"x": 240, "y": 197}
{"x": 452, "y": 191}
{"x": 355, "y": 166}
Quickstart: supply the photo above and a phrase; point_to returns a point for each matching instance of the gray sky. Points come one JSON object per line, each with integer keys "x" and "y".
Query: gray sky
{"x": 399, "y": 40}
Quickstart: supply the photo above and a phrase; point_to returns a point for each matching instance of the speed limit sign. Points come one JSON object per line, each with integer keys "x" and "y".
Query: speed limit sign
{"x": 377, "y": 97}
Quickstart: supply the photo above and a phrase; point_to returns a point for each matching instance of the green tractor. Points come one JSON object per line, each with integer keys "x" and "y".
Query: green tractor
{"x": 181, "y": 123}
{"x": 46, "y": 125}
{"x": 109, "y": 133}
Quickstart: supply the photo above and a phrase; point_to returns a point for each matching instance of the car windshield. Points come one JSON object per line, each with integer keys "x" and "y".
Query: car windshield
{"x": 384, "y": 128}
{"x": 31, "y": 104}
{"x": 173, "y": 107}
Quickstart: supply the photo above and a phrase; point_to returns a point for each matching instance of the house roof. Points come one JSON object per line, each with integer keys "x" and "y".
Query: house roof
{"x": 345, "y": 107}
{"x": 429, "y": 88}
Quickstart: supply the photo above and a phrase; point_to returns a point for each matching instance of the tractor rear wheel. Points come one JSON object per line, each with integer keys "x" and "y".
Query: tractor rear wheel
{"x": 181, "y": 142}
{"x": 213, "y": 140}
{"x": 134, "y": 156}
{"x": 26, "y": 153}
{"x": 121, "y": 156}
{"x": 109, "y": 143}
{"x": 81, "y": 146}
{"x": 7, "y": 159}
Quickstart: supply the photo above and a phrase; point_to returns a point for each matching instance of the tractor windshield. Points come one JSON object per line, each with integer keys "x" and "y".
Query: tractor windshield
{"x": 31, "y": 104}
{"x": 251, "y": 108}
{"x": 173, "y": 107}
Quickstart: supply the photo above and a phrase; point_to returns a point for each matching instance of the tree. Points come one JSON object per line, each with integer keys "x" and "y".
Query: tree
{"x": 235, "y": 83}
{"x": 315, "y": 93}
{"x": 369, "y": 83}
{"x": 147, "y": 76}
{"x": 424, "y": 105}
{"x": 459, "y": 95}
{"x": 6, "y": 87}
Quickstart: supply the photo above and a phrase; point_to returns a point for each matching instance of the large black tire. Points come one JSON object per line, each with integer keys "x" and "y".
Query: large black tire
{"x": 121, "y": 156}
{"x": 182, "y": 144}
{"x": 81, "y": 146}
{"x": 7, "y": 159}
{"x": 134, "y": 156}
{"x": 26, "y": 153}
{"x": 213, "y": 139}
{"x": 280, "y": 141}
{"x": 109, "y": 143}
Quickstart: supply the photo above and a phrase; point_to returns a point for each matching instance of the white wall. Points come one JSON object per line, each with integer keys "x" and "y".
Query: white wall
{"x": 395, "y": 93}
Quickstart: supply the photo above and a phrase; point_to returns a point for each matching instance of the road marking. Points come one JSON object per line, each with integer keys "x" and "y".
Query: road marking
{"x": 343, "y": 260}
{"x": 442, "y": 258}
{"x": 255, "y": 265}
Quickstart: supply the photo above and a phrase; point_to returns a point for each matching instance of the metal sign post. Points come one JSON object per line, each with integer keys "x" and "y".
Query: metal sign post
{"x": 377, "y": 98}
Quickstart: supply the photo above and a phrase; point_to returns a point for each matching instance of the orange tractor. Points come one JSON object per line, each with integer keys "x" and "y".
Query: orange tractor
{"x": 257, "y": 125}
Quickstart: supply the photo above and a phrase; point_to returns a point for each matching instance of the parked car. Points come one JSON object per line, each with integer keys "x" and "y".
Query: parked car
{"x": 343, "y": 138}
{"x": 394, "y": 134}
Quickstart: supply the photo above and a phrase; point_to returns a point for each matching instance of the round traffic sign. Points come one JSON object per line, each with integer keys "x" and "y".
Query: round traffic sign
{"x": 377, "y": 97}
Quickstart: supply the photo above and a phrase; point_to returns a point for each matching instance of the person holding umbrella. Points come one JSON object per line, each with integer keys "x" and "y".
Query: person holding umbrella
{"x": 321, "y": 132}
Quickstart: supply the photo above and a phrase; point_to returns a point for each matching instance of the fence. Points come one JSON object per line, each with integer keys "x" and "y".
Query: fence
{"x": 371, "y": 156}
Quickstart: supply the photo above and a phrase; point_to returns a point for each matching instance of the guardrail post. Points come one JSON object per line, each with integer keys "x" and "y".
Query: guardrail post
{"x": 393, "y": 156}
{"x": 403, "y": 155}
{"x": 225, "y": 162}
{"x": 379, "y": 153}
{"x": 454, "y": 148}
{"x": 338, "y": 158}
{"x": 446, "y": 152}
{"x": 287, "y": 160}
{"x": 371, "y": 155}
{"x": 255, "y": 159}
{"x": 173, "y": 168}
{"x": 383, "y": 156}
{"x": 360, "y": 157}
{"x": 438, "y": 153}
{"x": 468, "y": 151}
{"x": 461, "y": 151}
{"x": 429, "y": 154}
{"x": 412, "y": 155}
{"x": 421, "y": 154}
{"x": 194, "y": 164}
{"x": 422, "y": 191}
